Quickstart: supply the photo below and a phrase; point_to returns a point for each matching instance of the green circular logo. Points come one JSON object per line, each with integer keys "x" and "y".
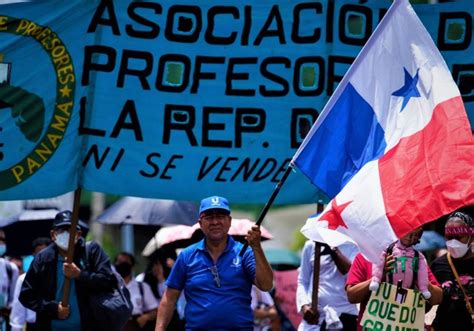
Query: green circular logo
{"x": 28, "y": 109}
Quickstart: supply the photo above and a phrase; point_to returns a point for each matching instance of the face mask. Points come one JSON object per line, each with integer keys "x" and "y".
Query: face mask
{"x": 124, "y": 269}
{"x": 3, "y": 249}
{"x": 62, "y": 240}
{"x": 456, "y": 248}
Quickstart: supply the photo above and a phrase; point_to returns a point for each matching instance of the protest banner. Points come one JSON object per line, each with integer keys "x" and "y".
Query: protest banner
{"x": 392, "y": 310}
{"x": 182, "y": 99}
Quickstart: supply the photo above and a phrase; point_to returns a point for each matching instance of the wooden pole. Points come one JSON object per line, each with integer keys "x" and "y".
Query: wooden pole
{"x": 316, "y": 266}
{"x": 71, "y": 244}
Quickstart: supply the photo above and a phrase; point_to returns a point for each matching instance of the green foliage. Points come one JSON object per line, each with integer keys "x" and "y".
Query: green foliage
{"x": 298, "y": 241}
{"x": 86, "y": 197}
{"x": 110, "y": 246}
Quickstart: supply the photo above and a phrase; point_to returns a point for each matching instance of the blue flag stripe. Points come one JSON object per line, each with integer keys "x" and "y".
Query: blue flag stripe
{"x": 349, "y": 137}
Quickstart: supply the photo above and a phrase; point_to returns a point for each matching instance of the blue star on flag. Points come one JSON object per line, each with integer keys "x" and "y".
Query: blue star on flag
{"x": 408, "y": 90}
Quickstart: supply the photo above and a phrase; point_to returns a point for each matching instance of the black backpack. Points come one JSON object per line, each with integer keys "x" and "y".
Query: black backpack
{"x": 110, "y": 310}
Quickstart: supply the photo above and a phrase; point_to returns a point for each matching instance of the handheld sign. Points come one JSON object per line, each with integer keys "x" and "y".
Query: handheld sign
{"x": 387, "y": 310}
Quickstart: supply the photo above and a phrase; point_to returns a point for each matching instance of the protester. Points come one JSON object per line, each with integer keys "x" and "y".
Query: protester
{"x": 20, "y": 315}
{"x": 143, "y": 300}
{"x": 455, "y": 311}
{"x": 8, "y": 278}
{"x": 156, "y": 272}
{"x": 265, "y": 314}
{"x": 216, "y": 280}
{"x": 410, "y": 268}
{"x": 42, "y": 289}
{"x": 154, "y": 276}
{"x": 18, "y": 261}
{"x": 360, "y": 276}
{"x": 334, "y": 309}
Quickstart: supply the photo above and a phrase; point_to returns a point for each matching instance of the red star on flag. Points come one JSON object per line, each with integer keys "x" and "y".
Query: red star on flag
{"x": 333, "y": 215}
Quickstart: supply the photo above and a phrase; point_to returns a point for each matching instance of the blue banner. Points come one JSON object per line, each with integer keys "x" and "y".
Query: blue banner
{"x": 183, "y": 99}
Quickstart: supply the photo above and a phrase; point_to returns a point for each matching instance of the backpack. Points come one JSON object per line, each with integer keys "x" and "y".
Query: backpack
{"x": 9, "y": 269}
{"x": 110, "y": 310}
{"x": 389, "y": 251}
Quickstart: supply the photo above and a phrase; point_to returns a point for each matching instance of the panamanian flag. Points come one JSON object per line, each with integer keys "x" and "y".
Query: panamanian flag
{"x": 393, "y": 147}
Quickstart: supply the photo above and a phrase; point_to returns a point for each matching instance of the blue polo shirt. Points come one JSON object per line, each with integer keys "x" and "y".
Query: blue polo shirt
{"x": 208, "y": 306}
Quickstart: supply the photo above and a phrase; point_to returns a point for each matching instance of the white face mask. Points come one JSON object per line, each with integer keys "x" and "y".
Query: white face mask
{"x": 456, "y": 248}
{"x": 62, "y": 240}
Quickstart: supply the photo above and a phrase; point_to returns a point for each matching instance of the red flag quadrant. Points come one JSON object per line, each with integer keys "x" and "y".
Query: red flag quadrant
{"x": 431, "y": 172}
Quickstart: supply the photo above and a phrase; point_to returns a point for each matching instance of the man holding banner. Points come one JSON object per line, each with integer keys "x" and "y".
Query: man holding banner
{"x": 42, "y": 289}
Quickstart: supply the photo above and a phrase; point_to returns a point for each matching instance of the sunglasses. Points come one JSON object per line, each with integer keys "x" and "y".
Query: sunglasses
{"x": 215, "y": 273}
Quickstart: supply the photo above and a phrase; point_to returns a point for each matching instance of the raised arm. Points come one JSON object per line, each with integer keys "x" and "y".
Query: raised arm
{"x": 263, "y": 270}
{"x": 342, "y": 263}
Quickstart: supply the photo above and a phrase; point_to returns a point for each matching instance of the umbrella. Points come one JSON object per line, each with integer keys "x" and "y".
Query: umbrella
{"x": 178, "y": 236}
{"x": 29, "y": 215}
{"x": 21, "y": 229}
{"x": 281, "y": 258}
{"x": 141, "y": 211}
{"x": 241, "y": 226}
{"x": 430, "y": 240}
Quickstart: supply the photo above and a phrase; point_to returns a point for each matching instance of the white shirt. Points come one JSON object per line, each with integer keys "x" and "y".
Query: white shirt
{"x": 160, "y": 286}
{"x": 7, "y": 286}
{"x": 332, "y": 291}
{"x": 20, "y": 315}
{"x": 181, "y": 303}
{"x": 258, "y": 298}
{"x": 141, "y": 304}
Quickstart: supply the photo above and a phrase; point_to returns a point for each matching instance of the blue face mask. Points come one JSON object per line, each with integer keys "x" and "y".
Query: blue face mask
{"x": 3, "y": 249}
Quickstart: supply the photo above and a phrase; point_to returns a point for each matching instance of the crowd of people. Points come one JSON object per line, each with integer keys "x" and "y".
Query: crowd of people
{"x": 217, "y": 284}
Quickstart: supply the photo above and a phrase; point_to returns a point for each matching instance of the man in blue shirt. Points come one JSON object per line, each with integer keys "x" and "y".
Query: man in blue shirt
{"x": 217, "y": 282}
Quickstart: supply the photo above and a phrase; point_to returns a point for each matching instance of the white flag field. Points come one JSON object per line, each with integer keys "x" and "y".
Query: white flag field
{"x": 393, "y": 147}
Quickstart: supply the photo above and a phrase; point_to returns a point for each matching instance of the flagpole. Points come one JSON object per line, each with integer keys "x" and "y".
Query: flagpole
{"x": 71, "y": 244}
{"x": 316, "y": 267}
{"x": 267, "y": 206}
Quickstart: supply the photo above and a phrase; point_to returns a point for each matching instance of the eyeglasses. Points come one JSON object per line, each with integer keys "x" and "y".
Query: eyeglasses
{"x": 217, "y": 217}
{"x": 215, "y": 272}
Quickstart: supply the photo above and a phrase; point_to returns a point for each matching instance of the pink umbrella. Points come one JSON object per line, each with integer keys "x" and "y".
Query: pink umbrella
{"x": 240, "y": 227}
{"x": 179, "y": 236}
